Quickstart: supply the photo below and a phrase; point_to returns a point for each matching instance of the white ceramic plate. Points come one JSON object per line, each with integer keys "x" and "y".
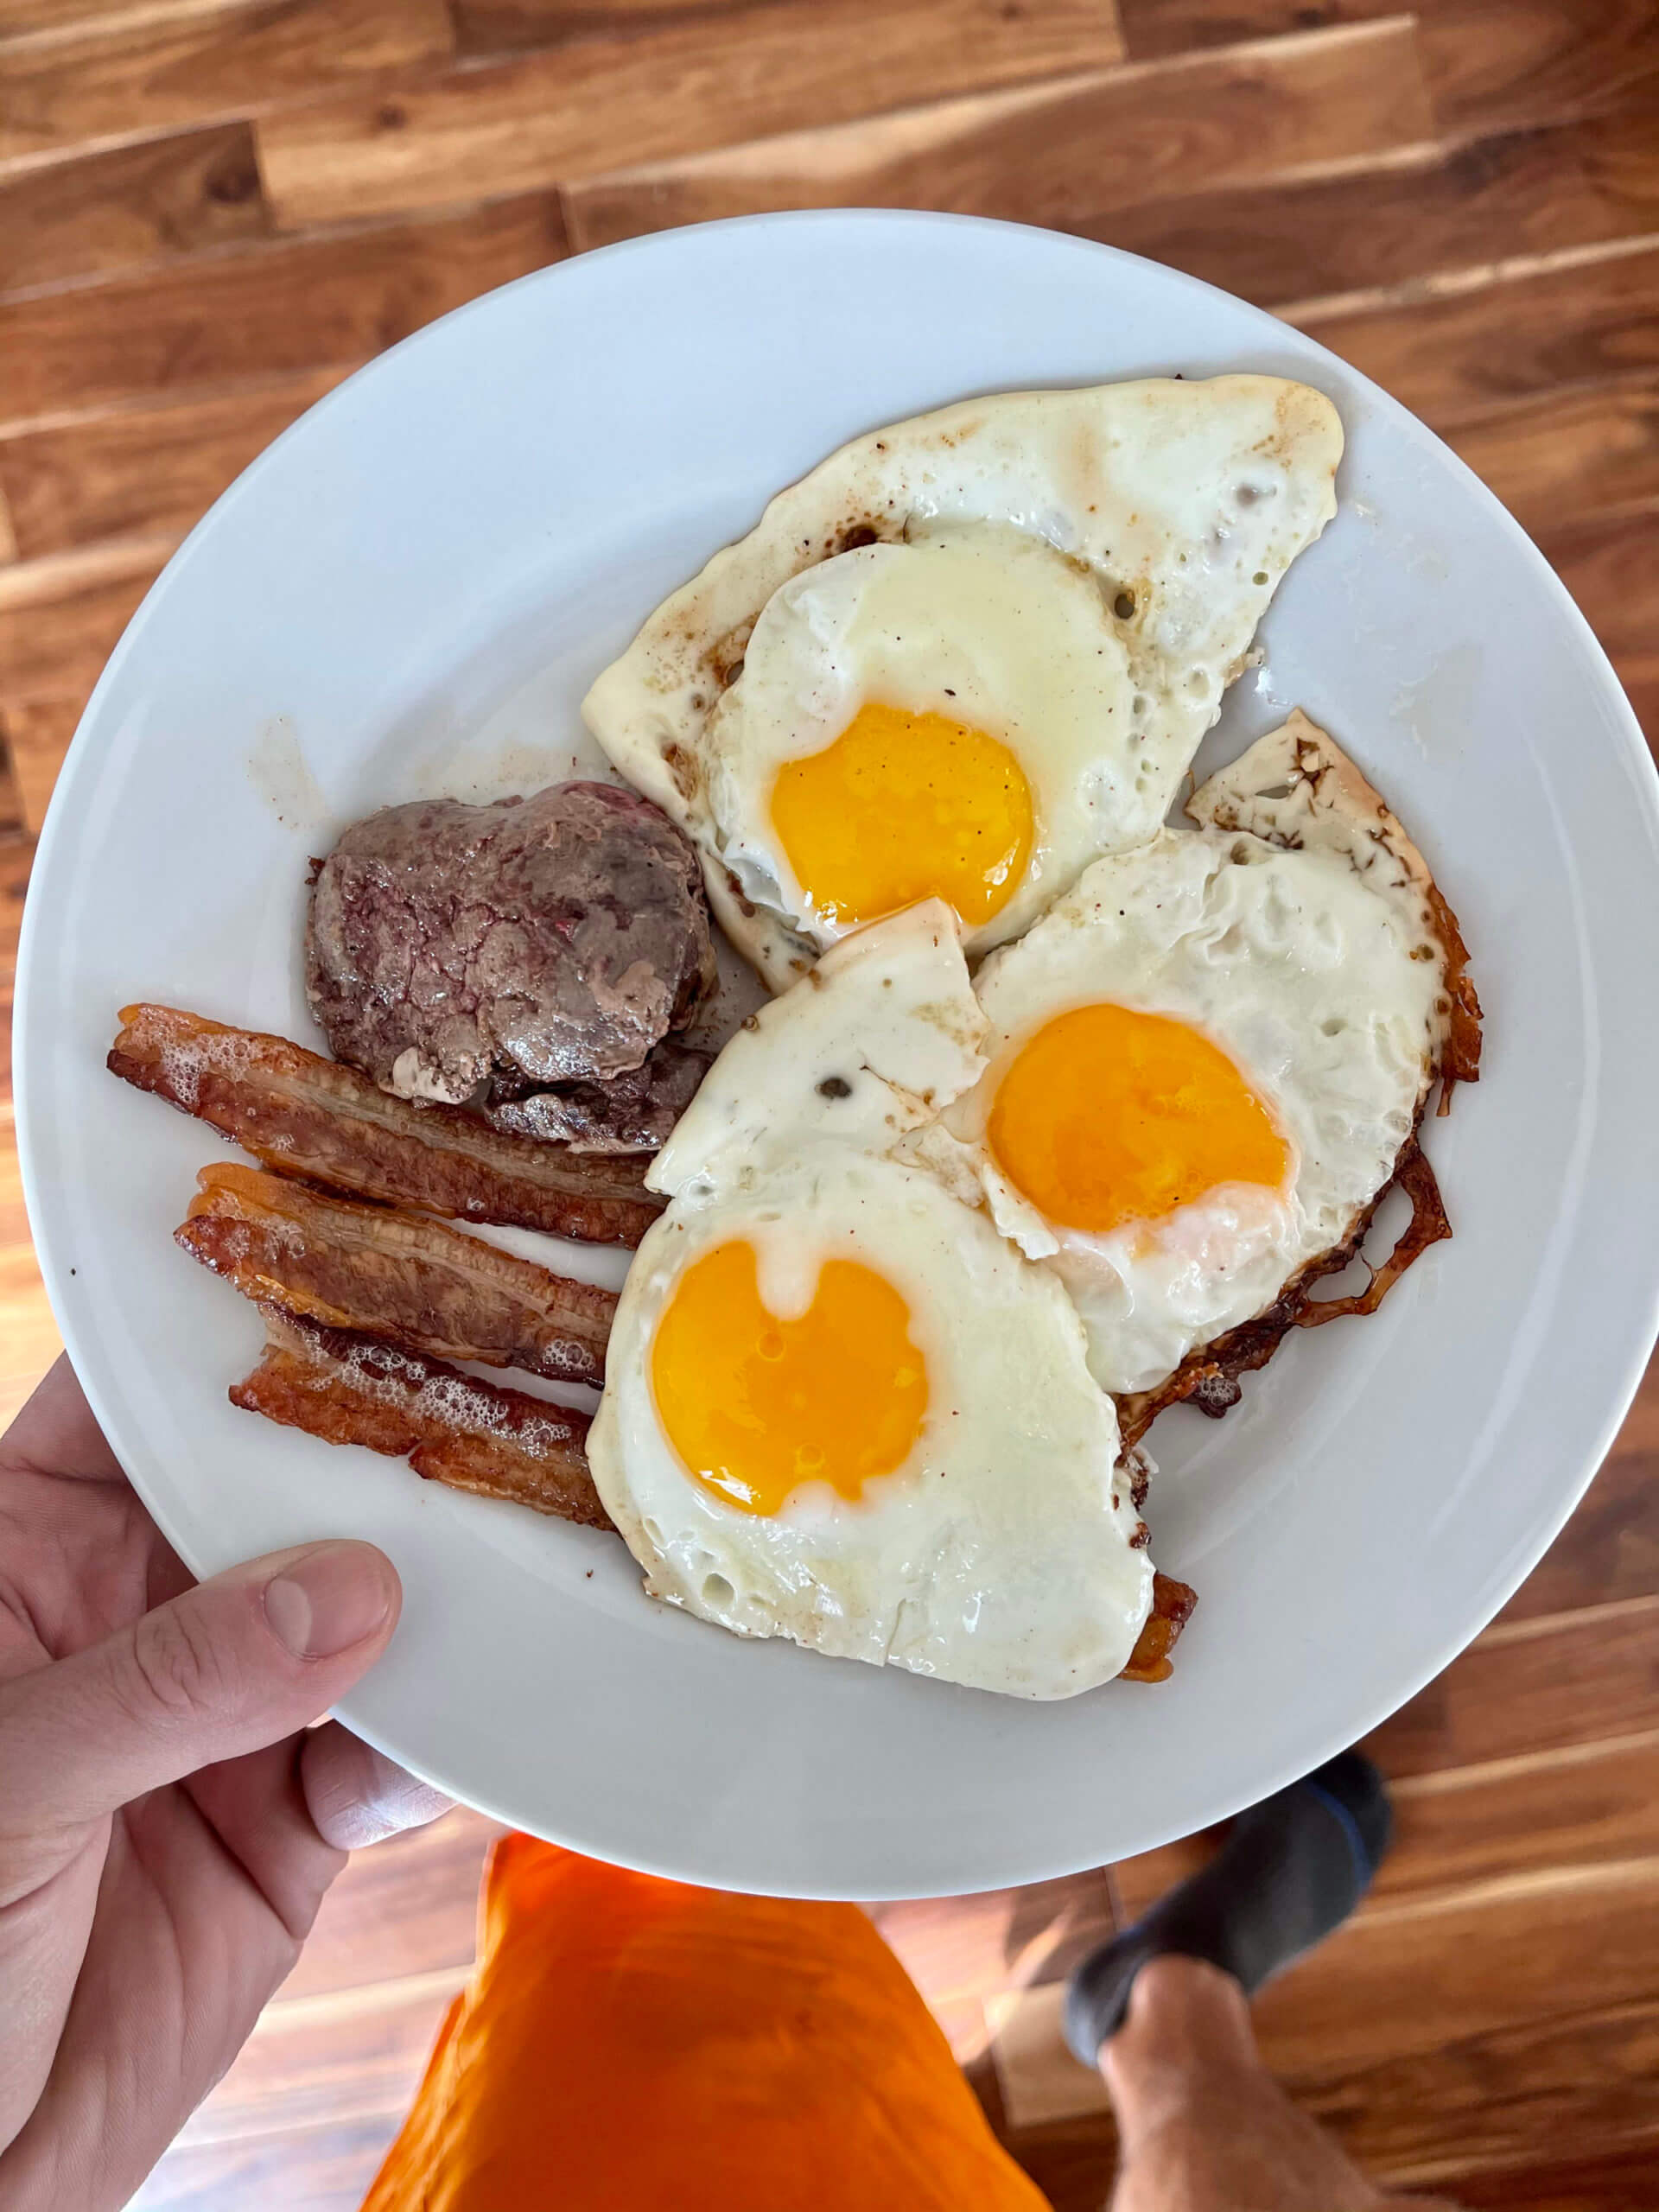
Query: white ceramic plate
{"x": 410, "y": 592}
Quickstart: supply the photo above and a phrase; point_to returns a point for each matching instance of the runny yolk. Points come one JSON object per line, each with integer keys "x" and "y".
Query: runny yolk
{"x": 756, "y": 1406}
{"x": 903, "y": 807}
{"x": 1107, "y": 1116}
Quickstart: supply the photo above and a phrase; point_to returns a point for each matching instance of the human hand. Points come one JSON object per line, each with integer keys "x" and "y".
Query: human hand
{"x": 167, "y": 1823}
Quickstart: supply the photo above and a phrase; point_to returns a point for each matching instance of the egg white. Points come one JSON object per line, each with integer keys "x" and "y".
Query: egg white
{"x": 1006, "y": 1553}
{"x": 1159, "y": 515}
{"x": 1000, "y": 1555}
{"x": 1315, "y": 965}
{"x": 987, "y": 625}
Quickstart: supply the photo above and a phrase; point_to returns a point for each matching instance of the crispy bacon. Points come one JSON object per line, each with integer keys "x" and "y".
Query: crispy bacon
{"x": 1460, "y": 1055}
{"x": 345, "y": 1388}
{"x": 402, "y": 1277}
{"x": 1208, "y": 1377}
{"x": 306, "y": 1115}
{"x": 452, "y": 1428}
{"x": 1172, "y": 1609}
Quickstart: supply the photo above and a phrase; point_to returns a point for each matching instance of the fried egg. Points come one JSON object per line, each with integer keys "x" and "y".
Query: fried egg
{"x": 968, "y": 653}
{"x": 1203, "y": 1063}
{"x": 841, "y": 1406}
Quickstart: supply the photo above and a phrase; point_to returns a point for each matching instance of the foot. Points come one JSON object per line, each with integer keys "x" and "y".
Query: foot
{"x": 1292, "y": 1868}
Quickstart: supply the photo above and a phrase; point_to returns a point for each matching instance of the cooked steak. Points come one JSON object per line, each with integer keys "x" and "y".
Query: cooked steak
{"x": 553, "y": 940}
{"x": 634, "y": 1112}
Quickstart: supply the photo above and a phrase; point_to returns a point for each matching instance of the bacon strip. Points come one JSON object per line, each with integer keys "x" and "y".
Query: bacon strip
{"x": 305, "y": 1115}
{"x": 473, "y": 1436}
{"x": 500, "y": 1443}
{"x": 1172, "y": 1609}
{"x": 1208, "y": 1377}
{"x": 404, "y": 1278}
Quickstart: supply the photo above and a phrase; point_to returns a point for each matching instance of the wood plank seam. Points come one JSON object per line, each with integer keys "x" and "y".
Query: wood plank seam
{"x": 1571, "y": 2025}
{"x": 129, "y": 95}
{"x": 296, "y": 304}
{"x": 1447, "y": 1781}
{"x": 1530, "y": 1631}
{"x": 1457, "y": 283}
{"x": 347, "y": 231}
{"x": 59, "y": 576}
{"x": 1537, "y": 1882}
{"x": 201, "y": 2133}
{"x": 112, "y": 22}
{"x": 136, "y": 206}
{"x": 331, "y": 2006}
{"x": 939, "y": 128}
{"x": 136, "y": 404}
{"x": 536, "y": 120}
{"x": 1408, "y": 154}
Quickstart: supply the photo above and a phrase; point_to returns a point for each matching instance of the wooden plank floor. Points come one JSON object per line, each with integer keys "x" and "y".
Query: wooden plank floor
{"x": 211, "y": 210}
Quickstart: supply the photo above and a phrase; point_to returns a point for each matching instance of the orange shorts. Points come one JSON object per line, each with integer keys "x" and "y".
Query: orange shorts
{"x": 627, "y": 2043}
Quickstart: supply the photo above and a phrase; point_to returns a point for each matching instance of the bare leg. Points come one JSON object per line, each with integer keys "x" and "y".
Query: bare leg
{"x": 1202, "y": 2125}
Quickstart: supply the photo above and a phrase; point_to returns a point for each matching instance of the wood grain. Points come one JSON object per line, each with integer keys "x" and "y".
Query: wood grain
{"x": 322, "y": 2169}
{"x": 139, "y": 204}
{"x": 37, "y": 738}
{"x": 1510, "y": 64}
{"x": 1610, "y": 1548}
{"x": 552, "y": 118}
{"x": 1060, "y": 154}
{"x": 142, "y": 79}
{"x": 144, "y": 468}
{"x": 1639, "y": 674}
{"x": 1610, "y": 565}
{"x": 1614, "y": 2182}
{"x": 1481, "y": 2103}
{"x": 1492, "y": 64}
{"x": 1530, "y": 1685}
{"x": 958, "y": 1949}
{"x": 1432, "y": 209}
{"x": 1398, "y": 2117}
{"x": 509, "y": 26}
{"x": 1554, "y": 459}
{"x": 353, "y": 2055}
{"x": 17, "y": 851}
{"x": 1403, "y": 1980}
{"x": 1039, "y": 2078}
{"x": 44, "y": 23}
{"x": 1153, "y": 28}
{"x": 28, "y": 1335}
{"x": 266, "y": 311}
{"x": 12, "y": 831}
{"x": 59, "y": 619}
{"x": 1508, "y": 339}
{"x": 1592, "y": 1804}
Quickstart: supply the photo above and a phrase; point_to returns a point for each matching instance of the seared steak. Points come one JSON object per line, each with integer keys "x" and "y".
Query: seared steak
{"x": 463, "y": 953}
{"x": 634, "y": 1112}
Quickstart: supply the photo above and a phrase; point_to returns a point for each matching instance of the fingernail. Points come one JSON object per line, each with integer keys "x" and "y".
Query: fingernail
{"x": 328, "y": 1598}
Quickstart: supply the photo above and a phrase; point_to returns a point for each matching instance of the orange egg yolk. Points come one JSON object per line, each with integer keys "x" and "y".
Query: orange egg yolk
{"x": 756, "y": 1406}
{"x": 903, "y": 807}
{"x": 1107, "y": 1116}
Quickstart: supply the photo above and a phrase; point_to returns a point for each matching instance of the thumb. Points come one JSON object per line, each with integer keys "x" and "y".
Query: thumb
{"x": 233, "y": 1664}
